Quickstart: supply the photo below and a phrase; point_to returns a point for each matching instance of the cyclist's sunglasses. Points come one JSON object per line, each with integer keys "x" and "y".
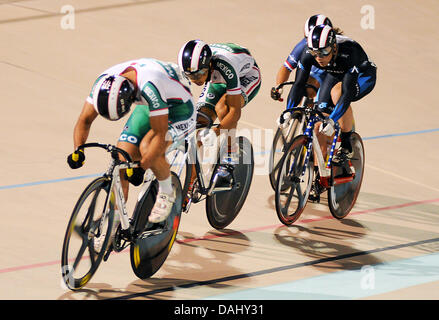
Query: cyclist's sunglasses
{"x": 196, "y": 75}
{"x": 321, "y": 52}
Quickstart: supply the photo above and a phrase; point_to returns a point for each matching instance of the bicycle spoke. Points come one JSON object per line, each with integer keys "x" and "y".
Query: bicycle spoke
{"x": 92, "y": 253}
{"x": 284, "y": 140}
{"x": 277, "y": 166}
{"x": 81, "y": 250}
{"x": 88, "y": 220}
{"x": 299, "y": 194}
{"x": 290, "y": 197}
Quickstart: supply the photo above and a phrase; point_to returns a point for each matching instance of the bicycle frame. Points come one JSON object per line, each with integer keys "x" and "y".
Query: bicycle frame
{"x": 193, "y": 153}
{"x": 313, "y": 143}
{"x": 114, "y": 172}
{"x": 116, "y": 191}
{"x": 179, "y": 147}
{"x": 210, "y": 188}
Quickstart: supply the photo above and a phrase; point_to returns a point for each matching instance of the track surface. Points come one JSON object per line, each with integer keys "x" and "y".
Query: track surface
{"x": 387, "y": 248}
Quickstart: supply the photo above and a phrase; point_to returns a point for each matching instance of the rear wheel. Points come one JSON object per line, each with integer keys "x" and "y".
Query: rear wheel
{"x": 223, "y": 207}
{"x": 90, "y": 220}
{"x": 153, "y": 242}
{"x": 342, "y": 196}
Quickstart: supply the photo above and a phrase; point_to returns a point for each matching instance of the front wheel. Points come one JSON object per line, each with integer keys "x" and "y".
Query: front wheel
{"x": 223, "y": 207}
{"x": 294, "y": 181}
{"x": 89, "y": 221}
{"x": 280, "y": 141}
{"x": 342, "y": 197}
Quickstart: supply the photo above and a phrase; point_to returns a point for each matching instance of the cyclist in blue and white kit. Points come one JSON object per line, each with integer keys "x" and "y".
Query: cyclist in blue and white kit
{"x": 316, "y": 75}
{"x": 350, "y": 75}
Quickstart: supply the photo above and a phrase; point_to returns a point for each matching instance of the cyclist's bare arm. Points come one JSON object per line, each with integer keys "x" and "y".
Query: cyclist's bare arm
{"x": 230, "y": 121}
{"x": 282, "y": 75}
{"x": 83, "y": 124}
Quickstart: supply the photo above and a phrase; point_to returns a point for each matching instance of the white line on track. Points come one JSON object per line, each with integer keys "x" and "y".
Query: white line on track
{"x": 401, "y": 177}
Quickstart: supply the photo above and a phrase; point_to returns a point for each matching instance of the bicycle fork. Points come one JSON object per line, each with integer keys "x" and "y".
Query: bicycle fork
{"x": 124, "y": 220}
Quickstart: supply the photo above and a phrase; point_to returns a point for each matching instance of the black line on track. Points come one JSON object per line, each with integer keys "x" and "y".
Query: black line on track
{"x": 273, "y": 270}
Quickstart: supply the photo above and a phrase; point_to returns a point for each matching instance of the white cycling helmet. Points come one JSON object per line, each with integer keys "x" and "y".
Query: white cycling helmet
{"x": 316, "y": 20}
{"x": 113, "y": 96}
{"x": 194, "y": 55}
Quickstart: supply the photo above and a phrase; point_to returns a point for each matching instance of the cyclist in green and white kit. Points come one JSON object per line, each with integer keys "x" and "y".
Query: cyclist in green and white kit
{"x": 231, "y": 79}
{"x": 164, "y": 113}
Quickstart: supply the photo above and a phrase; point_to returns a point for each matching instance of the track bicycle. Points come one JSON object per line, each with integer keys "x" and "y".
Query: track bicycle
{"x": 293, "y": 127}
{"x": 223, "y": 203}
{"x": 93, "y": 217}
{"x": 296, "y": 173}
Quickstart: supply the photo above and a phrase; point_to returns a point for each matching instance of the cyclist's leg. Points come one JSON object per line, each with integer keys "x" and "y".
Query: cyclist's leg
{"x": 134, "y": 130}
{"x": 346, "y": 121}
{"x": 365, "y": 84}
{"x": 212, "y": 103}
{"x": 182, "y": 121}
{"x": 326, "y": 105}
{"x": 209, "y": 97}
{"x": 157, "y": 162}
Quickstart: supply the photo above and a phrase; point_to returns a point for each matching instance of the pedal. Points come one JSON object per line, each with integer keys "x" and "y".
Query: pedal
{"x": 317, "y": 190}
{"x": 314, "y": 198}
{"x": 122, "y": 239}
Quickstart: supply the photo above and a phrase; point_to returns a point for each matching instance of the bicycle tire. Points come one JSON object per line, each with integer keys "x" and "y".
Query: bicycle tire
{"x": 223, "y": 207}
{"x": 278, "y": 149}
{"x": 86, "y": 228}
{"x": 147, "y": 254}
{"x": 342, "y": 197}
{"x": 291, "y": 201}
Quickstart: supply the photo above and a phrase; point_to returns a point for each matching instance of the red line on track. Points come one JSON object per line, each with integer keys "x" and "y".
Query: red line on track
{"x": 213, "y": 236}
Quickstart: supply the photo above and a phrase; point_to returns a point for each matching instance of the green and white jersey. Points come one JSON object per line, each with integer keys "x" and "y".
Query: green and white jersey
{"x": 161, "y": 85}
{"x": 230, "y": 63}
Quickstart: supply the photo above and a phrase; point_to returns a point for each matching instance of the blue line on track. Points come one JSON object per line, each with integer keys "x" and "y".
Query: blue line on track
{"x": 30, "y": 184}
{"x": 401, "y": 134}
{"x": 14, "y": 186}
